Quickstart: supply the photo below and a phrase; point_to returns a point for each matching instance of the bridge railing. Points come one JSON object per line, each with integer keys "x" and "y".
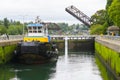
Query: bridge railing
{"x": 73, "y": 35}
{"x": 61, "y": 37}
{"x": 115, "y": 38}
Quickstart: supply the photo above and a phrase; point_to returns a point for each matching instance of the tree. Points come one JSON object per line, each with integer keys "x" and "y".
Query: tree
{"x": 99, "y": 17}
{"x": 6, "y": 22}
{"x": 2, "y": 30}
{"x": 109, "y": 2}
{"x": 105, "y": 25}
{"x": 15, "y": 29}
{"x": 63, "y": 26}
{"x": 1, "y": 22}
{"x": 97, "y": 29}
{"x": 108, "y": 20}
{"x": 114, "y": 12}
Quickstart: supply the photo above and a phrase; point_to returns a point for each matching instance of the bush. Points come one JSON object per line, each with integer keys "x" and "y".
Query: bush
{"x": 97, "y": 29}
{"x": 2, "y": 29}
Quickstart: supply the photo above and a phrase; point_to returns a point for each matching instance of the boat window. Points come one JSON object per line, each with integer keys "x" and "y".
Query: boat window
{"x": 39, "y": 31}
{"x": 30, "y": 31}
{"x": 34, "y": 27}
{"x": 34, "y": 31}
{"x": 39, "y": 27}
{"x": 29, "y": 28}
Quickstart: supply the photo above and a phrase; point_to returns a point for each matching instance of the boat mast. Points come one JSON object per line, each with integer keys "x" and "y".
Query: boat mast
{"x": 38, "y": 20}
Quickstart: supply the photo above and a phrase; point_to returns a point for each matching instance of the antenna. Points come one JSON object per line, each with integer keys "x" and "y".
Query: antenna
{"x": 38, "y": 20}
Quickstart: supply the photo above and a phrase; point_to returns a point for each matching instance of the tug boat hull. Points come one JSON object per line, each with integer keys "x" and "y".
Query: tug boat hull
{"x": 36, "y": 52}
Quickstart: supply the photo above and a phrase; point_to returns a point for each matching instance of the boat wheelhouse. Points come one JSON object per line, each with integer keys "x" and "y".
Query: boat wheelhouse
{"x": 37, "y": 32}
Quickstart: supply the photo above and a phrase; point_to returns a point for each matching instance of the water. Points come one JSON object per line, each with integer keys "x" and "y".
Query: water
{"x": 70, "y": 66}
{"x": 76, "y": 66}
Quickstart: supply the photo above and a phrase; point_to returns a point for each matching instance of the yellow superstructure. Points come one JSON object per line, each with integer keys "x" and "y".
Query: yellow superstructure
{"x": 40, "y": 39}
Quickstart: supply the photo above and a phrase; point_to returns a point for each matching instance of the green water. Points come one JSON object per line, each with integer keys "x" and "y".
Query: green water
{"x": 71, "y": 66}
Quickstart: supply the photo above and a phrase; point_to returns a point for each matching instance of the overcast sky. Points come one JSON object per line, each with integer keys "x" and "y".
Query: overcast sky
{"x": 48, "y": 10}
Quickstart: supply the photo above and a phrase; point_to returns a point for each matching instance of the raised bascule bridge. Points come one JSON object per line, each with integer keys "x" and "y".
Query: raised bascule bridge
{"x": 79, "y": 15}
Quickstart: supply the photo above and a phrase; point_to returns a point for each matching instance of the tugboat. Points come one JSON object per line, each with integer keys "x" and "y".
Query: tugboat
{"x": 36, "y": 47}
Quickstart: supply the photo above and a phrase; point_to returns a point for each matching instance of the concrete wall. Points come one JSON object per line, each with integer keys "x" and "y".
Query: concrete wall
{"x": 6, "y": 50}
{"x": 114, "y": 45}
{"x": 110, "y": 53}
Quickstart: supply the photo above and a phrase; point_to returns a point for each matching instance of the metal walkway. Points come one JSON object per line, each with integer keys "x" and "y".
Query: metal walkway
{"x": 79, "y": 15}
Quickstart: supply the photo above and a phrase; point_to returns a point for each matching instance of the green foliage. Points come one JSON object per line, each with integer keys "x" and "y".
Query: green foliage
{"x": 109, "y": 2}
{"x": 15, "y": 29}
{"x": 11, "y": 27}
{"x": 97, "y": 29}
{"x": 108, "y": 16}
{"x": 1, "y": 22}
{"x": 108, "y": 20}
{"x": 18, "y": 23}
{"x": 99, "y": 17}
{"x": 2, "y": 29}
{"x": 110, "y": 56}
{"x": 105, "y": 25}
{"x": 63, "y": 26}
{"x": 6, "y": 53}
{"x": 6, "y": 22}
{"x": 102, "y": 69}
{"x": 1, "y": 55}
{"x": 114, "y": 12}
{"x": 70, "y": 29}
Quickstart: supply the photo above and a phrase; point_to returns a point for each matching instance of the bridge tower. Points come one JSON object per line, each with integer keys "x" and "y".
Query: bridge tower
{"x": 79, "y": 15}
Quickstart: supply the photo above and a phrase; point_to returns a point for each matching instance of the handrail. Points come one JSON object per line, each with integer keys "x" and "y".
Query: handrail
{"x": 11, "y": 37}
{"x": 116, "y": 38}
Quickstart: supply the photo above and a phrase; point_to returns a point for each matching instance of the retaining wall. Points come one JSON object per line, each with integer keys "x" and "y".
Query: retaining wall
{"x": 6, "y": 50}
{"x": 110, "y": 52}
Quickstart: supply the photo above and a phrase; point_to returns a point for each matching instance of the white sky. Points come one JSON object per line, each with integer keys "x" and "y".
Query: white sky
{"x": 48, "y": 10}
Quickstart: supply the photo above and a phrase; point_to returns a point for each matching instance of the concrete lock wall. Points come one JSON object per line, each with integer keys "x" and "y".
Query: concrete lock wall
{"x": 6, "y": 53}
{"x": 75, "y": 45}
{"x": 105, "y": 73}
{"x": 110, "y": 56}
{"x": 6, "y": 50}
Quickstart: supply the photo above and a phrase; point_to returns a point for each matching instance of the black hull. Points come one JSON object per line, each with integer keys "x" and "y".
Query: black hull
{"x": 36, "y": 52}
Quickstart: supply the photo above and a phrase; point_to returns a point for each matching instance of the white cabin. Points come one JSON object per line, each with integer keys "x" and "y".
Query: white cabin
{"x": 37, "y": 29}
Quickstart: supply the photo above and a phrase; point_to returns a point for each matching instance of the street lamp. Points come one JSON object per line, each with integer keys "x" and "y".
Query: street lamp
{"x": 23, "y": 26}
{"x": 23, "y": 31}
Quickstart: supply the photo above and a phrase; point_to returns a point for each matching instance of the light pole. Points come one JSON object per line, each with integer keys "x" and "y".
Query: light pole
{"x": 23, "y": 29}
{"x": 23, "y": 26}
